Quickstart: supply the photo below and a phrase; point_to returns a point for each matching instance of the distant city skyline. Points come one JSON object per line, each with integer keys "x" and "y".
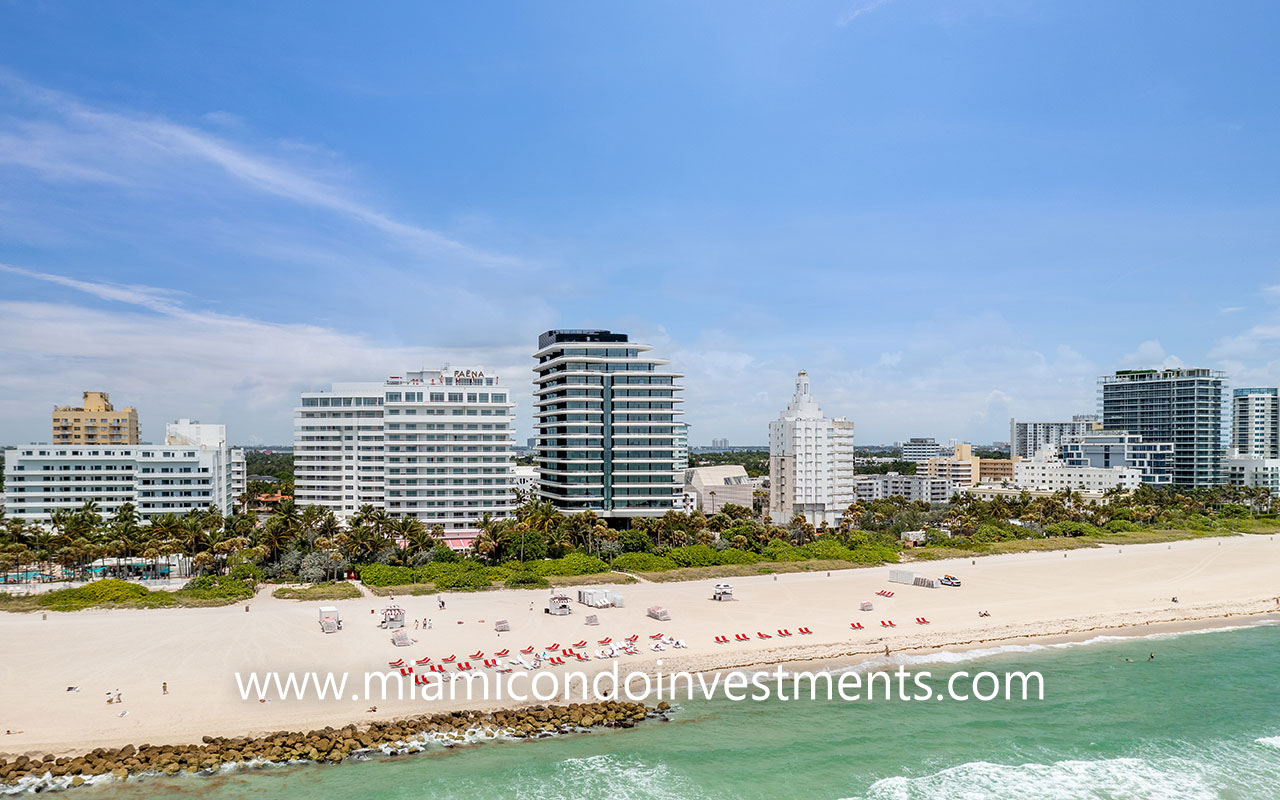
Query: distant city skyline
{"x": 941, "y": 212}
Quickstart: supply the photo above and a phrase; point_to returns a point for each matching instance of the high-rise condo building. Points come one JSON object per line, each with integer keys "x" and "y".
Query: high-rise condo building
{"x": 1180, "y": 406}
{"x": 810, "y": 461}
{"x": 191, "y": 471}
{"x": 95, "y": 422}
{"x": 1028, "y": 438}
{"x": 605, "y": 422}
{"x": 431, "y": 444}
{"x": 1255, "y": 422}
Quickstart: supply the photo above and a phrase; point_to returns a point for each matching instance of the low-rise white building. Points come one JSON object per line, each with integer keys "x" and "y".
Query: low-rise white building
{"x": 1120, "y": 449}
{"x": 912, "y": 487}
{"x": 1046, "y": 472}
{"x": 1249, "y": 470}
{"x": 192, "y": 470}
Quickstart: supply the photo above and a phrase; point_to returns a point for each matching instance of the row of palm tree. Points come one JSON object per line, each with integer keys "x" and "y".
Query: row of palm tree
{"x": 211, "y": 543}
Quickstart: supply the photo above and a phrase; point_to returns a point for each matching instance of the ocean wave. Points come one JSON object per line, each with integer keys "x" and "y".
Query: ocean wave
{"x": 1064, "y": 780}
{"x": 611, "y": 777}
{"x": 1269, "y": 741}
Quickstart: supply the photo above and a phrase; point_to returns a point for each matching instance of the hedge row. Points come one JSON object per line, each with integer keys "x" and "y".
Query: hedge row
{"x": 699, "y": 555}
{"x": 471, "y": 574}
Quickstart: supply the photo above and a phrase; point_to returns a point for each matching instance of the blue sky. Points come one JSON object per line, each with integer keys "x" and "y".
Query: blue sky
{"x": 949, "y": 213}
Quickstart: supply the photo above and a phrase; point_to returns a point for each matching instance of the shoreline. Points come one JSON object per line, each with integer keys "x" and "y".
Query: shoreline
{"x": 1121, "y": 593}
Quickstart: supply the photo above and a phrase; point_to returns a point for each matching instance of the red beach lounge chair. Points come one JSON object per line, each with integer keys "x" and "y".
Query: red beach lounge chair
{"x": 633, "y": 637}
{"x": 422, "y": 661}
{"x": 555, "y": 646}
{"x": 582, "y": 643}
{"x": 857, "y": 626}
{"x": 763, "y": 635}
{"x": 606, "y": 640}
{"x": 399, "y": 662}
{"x": 449, "y": 660}
{"x": 527, "y": 650}
{"x": 503, "y": 652}
{"x": 477, "y": 654}
{"x": 742, "y": 637}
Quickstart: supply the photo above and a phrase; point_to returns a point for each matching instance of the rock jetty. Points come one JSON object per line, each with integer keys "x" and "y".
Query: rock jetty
{"x": 327, "y": 745}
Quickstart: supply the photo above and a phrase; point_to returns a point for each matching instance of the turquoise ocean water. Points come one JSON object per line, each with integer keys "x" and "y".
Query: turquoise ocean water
{"x": 1201, "y": 721}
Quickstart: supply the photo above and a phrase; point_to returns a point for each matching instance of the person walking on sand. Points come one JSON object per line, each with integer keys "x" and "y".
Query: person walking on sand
{"x": 164, "y": 687}
{"x": 428, "y": 624}
{"x": 886, "y": 650}
{"x": 415, "y": 624}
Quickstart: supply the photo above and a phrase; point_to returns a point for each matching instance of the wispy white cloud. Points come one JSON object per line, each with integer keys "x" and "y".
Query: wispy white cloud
{"x": 857, "y": 11}
{"x": 77, "y": 142}
{"x": 150, "y": 297}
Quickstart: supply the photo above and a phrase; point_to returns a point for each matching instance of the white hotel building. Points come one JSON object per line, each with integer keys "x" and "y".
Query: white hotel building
{"x": 192, "y": 470}
{"x": 431, "y": 444}
{"x": 810, "y": 462}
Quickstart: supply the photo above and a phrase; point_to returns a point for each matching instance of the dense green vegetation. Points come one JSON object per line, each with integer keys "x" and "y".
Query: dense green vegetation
{"x": 756, "y": 462}
{"x": 277, "y": 465}
{"x": 206, "y": 590}
{"x": 900, "y": 467}
{"x": 541, "y": 546}
{"x": 330, "y": 590}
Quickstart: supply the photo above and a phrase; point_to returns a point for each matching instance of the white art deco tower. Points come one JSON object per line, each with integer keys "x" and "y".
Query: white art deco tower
{"x": 810, "y": 461}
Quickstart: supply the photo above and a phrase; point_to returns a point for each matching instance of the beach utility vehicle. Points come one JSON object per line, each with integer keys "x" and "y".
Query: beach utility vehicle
{"x": 949, "y": 580}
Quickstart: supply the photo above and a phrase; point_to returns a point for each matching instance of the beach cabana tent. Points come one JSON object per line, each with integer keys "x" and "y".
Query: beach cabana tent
{"x": 722, "y": 592}
{"x": 559, "y": 605}
{"x": 393, "y": 617}
{"x": 658, "y": 613}
{"x": 330, "y": 619}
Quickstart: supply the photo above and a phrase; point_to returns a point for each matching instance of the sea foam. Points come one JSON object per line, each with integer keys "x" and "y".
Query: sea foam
{"x": 1064, "y": 780}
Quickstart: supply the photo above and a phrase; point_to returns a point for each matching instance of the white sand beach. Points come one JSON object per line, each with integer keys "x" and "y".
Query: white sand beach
{"x": 198, "y": 651}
